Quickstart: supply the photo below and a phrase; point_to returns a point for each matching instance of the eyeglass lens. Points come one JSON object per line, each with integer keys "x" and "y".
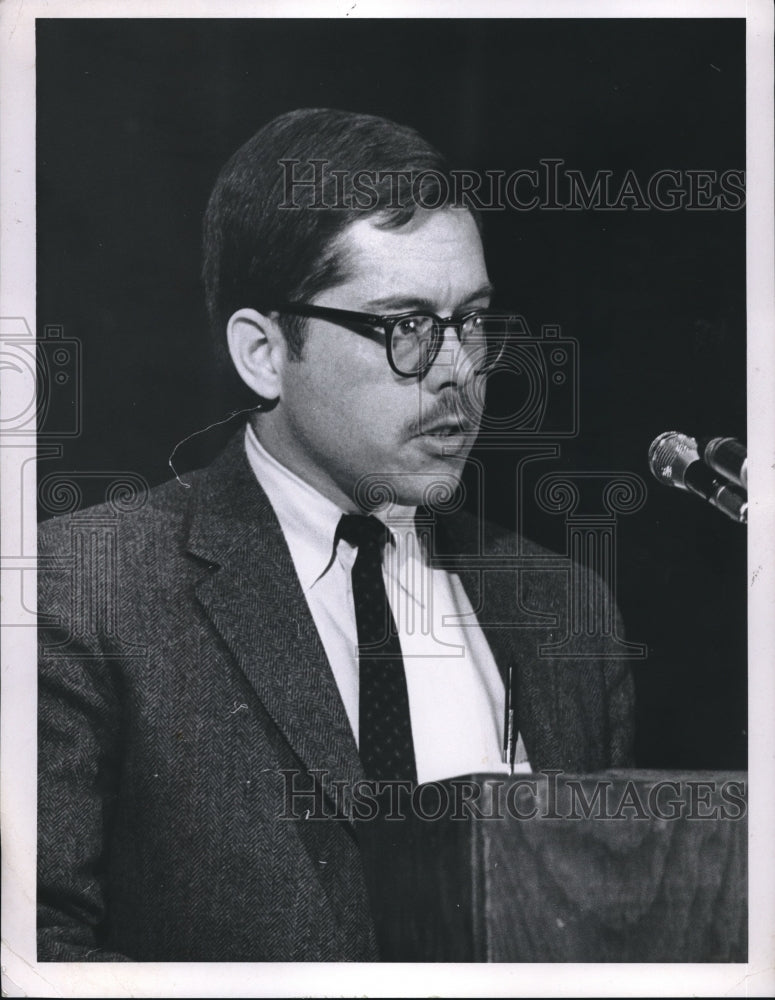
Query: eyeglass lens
{"x": 413, "y": 339}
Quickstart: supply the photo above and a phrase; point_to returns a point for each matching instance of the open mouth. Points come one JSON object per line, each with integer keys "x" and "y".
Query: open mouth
{"x": 449, "y": 440}
{"x": 447, "y": 430}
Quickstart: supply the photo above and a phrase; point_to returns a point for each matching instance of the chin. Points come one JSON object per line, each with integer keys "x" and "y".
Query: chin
{"x": 435, "y": 487}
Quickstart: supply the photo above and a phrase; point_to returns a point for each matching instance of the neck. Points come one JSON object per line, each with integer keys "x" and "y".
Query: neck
{"x": 271, "y": 437}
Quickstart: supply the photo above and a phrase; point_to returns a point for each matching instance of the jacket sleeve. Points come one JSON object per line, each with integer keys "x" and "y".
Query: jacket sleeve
{"x": 79, "y": 733}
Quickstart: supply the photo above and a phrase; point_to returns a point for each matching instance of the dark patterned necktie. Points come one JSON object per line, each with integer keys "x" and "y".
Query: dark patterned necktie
{"x": 385, "y": 731}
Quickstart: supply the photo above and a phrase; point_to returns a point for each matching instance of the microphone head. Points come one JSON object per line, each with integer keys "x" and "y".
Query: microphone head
{"x": 670, "y": 455}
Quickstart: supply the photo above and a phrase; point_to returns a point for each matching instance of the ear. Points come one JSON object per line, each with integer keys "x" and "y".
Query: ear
{"x": 258, "y": 351}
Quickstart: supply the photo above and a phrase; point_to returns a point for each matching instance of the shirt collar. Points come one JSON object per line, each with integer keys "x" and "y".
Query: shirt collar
{"x": 308, "y": 519}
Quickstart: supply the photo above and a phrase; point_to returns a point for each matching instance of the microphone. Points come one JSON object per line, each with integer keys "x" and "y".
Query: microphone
{"x": 674, "y": 460}
{"x": 726, "y": 456}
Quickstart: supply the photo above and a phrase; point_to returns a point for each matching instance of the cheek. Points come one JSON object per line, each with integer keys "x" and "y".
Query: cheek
{"x": 338, "y": 411}
{"x": 352, "y": 395}
{"x": 346, "y": 402}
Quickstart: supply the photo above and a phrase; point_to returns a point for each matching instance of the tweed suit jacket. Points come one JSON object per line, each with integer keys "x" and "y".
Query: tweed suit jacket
{"x": 182, "y": 680}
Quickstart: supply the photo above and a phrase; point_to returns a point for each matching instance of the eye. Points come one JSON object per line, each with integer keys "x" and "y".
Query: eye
{"x": 413, "y": 326}
{"x": 475, "y": 323}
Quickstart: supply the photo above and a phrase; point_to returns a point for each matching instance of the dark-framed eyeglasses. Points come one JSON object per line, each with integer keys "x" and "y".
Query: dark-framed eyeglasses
{"x": 413, "y": 339}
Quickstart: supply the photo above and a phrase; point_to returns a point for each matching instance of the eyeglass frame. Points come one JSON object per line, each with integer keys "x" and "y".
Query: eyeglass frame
{"x": 352, "y": 320}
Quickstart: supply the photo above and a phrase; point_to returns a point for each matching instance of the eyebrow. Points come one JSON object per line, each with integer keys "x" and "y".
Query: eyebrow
{"x": 420, "y": 302}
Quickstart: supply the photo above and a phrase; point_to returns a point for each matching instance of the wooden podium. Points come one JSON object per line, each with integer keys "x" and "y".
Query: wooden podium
{"x": 622, "y": 866}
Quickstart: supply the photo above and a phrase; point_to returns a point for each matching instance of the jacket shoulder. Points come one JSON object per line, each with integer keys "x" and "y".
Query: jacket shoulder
{"x": 469, "y": 533}
{"x": 160, "y": 511}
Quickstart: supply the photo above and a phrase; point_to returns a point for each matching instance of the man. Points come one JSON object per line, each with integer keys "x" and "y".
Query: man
{"x": 298, "y": 610}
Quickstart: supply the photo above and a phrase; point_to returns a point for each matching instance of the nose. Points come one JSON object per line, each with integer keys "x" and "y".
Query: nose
{"x": 446, "y": 369}
{"x": 452, "y": 375}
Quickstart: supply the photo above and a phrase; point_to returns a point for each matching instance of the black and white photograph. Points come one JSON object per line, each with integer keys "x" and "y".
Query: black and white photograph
{"x": 379, "y": 568}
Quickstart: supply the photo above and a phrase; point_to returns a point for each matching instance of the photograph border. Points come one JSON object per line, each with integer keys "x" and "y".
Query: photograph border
{"x": 22, "y": 975}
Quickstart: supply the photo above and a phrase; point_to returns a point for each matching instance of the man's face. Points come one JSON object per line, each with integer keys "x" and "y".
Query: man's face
{"x": 343, "y": 414}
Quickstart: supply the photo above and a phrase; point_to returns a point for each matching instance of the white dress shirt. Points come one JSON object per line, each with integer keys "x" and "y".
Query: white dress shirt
{"x": 456, "y": 694}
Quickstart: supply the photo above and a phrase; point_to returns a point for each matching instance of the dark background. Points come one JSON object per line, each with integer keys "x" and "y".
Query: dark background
{"x": 135, "y": 119}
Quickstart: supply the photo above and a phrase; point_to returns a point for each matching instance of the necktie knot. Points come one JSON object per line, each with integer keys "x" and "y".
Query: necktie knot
{"x": 362, "y": 531}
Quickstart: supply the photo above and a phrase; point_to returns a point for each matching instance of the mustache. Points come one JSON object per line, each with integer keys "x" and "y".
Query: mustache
{"x": 448, "y": 410}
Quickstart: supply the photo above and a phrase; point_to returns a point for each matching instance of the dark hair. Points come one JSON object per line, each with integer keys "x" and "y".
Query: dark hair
{"x": 286, "y": 195}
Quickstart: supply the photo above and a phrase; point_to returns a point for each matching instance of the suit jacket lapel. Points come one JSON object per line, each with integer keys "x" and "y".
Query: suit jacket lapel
{"x": 254, "y": 599}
